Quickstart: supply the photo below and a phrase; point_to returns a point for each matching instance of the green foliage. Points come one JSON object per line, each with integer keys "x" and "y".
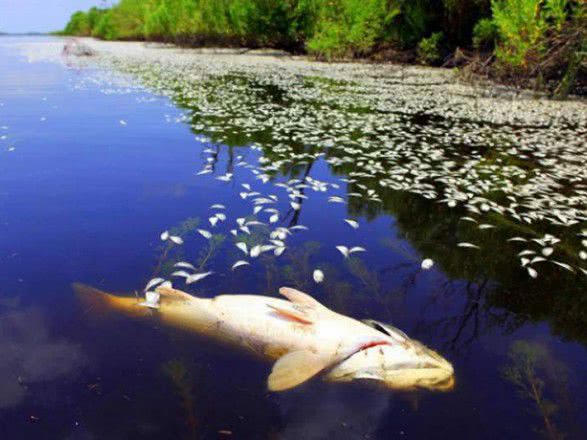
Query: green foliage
{"x": 429, "y": 50}
{"x": 484, "y": 34}
{"x": 520, "y": 31}
{"x": 542, "y": 38}
{"x": 350, "y": 27}
{"x": 78, "y": 24}
{"x": 461, "y": 16}
{"x": 520, "y": 27}
{"x": 556, "y": 12}
{"x": 82, "y": 23}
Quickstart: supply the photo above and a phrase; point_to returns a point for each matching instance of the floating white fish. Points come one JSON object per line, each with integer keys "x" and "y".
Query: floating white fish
{"x": 217, "y": 206}
{"x": 346, "y": 252}
{"x": 336, "y": 199}
{"x": 239, "y": 264}
{"x": 175, "y": 239}
{"x": 468, "y": 245}
{"x": 352, "y": 223}
{"x": 563, "y": 265}
{"x": 532, "y": 272}
{"x": 521, "y": 239}
{"x": 165, "y": 236}
{"x": 242, "y": 246}
{"x": 185, "y": 265}
{"x": 295, "y": 326}
{"x": 206, "y": 234}
{"x": 255, "y": 251}
{"x": 197, "y": 277}
{"x": 152, "y": 283}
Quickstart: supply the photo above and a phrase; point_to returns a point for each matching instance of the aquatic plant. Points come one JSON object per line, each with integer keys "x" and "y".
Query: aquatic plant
{"x": 528, "y": 361}
{"x": 179, "y": 374}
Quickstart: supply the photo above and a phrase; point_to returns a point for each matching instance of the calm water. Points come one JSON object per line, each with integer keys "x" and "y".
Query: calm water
{"x": 85, "y": 197}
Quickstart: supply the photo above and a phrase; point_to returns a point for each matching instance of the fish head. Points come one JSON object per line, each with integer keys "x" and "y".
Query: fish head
{"x": 404, "y": 364}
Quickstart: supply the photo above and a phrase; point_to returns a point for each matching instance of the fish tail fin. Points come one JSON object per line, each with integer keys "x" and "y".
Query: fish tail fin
{"x": 98, "y": 303}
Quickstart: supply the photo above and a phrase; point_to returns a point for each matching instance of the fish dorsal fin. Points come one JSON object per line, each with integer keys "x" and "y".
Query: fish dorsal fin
{"x": 174, "y": 294}
{"x": 292, "y": 314}
{"x": 294, "y": 369}
{"x": 301, "y": 298}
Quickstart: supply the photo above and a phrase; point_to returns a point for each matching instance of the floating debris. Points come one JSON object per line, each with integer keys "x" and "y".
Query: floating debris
{"x": 427, "y": 263}
{"x": 318, "y": 276}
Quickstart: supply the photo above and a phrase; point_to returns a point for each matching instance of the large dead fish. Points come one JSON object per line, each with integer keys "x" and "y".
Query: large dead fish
{"x": 303, "y": 336}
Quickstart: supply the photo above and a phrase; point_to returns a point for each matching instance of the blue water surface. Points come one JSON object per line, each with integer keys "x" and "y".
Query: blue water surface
{"x": 84, "y": 198}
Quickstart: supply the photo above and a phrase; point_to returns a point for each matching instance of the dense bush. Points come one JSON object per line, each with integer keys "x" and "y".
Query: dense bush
{"x": 429, "y": 49}
{"x": 82, "y": 23}
{"x": 484, "y": 34}
{"x": 520, "y": 27}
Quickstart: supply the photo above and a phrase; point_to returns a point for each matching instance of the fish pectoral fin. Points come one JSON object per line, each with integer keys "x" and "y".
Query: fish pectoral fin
{"x": 292, "y": 315}
{"x": 294, "y": 369}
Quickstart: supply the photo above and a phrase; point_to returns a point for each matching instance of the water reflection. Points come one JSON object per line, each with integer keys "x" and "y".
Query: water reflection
{"x": 541, "y": 381}
{"x": 146, "y": 381}
{"x": 32, "y": 359}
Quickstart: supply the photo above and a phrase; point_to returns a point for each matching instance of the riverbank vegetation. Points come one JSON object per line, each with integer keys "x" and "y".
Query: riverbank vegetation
{"x": 541, "y": 43}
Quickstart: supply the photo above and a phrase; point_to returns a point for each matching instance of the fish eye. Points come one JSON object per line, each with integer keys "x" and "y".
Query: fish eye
{"x": 388, "y": 330}
{"x": 377, "y": 326}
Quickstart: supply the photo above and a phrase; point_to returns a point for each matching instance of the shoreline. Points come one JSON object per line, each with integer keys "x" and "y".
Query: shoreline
{"x": 454, "y": 75}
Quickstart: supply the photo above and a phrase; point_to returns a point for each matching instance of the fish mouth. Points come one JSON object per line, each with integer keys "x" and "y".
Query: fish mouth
{"x": 445, "y": 386}
{"x": 397, "y": 368}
